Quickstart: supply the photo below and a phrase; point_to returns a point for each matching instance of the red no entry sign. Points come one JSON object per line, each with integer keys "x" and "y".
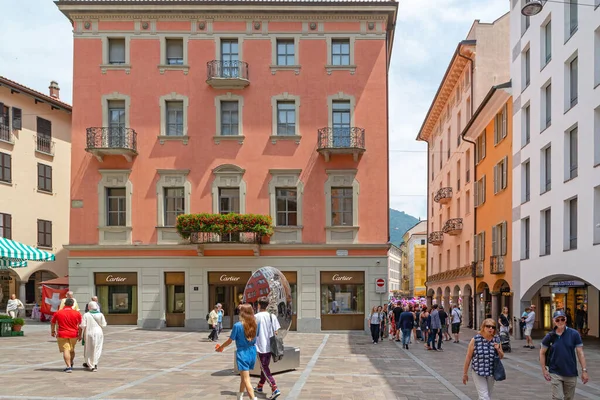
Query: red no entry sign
{"x": 380, "y": 283}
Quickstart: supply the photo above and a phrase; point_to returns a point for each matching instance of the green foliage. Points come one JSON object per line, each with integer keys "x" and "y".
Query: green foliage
{"x": 3, "y": 316}
{"x": 18, "y": 321}
{"x": 400, "y": 222}
{"x": 228, "y": 223}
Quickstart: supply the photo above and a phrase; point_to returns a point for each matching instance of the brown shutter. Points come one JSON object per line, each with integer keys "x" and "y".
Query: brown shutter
{"x": 17, "y": 116}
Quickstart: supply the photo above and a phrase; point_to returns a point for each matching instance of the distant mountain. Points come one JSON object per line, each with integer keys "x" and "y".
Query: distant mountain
{"x": 400, "y": 222}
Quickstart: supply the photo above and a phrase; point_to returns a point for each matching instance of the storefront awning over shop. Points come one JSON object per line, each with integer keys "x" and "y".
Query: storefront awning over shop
{"x": 62, "y": 281}
{"x": 14, "y": 254}
{"x": 8, "y": 263}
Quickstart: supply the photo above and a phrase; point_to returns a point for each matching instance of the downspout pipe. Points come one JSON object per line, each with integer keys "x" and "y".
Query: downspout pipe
{"x": 474, "y": 264}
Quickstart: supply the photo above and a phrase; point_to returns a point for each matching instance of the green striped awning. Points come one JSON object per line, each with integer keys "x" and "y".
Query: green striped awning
{"x": 11, "y": 263}
{"x": 17, "y": 252}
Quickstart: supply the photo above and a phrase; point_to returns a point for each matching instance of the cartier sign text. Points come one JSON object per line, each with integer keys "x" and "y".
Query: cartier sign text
{"x": 225, "y": 278}
{"x": 111, "y": 278}
{"x": 337, "y": 277}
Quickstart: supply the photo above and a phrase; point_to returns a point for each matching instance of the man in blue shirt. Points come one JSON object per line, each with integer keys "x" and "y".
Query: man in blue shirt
{"x": 563, "y": 342}
{"x": 406, "y": 323}
{"x": 220, "y": 320}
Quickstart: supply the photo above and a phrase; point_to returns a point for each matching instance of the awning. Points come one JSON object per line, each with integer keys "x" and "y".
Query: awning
{"x": 15, "y": 251}
{"x": 8, "y": 263}
{"x": 62, "y": 281}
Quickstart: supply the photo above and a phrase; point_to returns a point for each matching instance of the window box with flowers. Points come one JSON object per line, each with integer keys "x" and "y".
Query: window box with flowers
{"x": 225, "y": 228}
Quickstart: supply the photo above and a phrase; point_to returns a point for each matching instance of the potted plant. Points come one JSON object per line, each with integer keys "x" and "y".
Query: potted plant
{"x": 17, "y": 324}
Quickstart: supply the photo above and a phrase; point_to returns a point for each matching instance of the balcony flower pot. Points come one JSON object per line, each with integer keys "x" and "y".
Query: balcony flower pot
{"x": 265, "y": 239}
{"x": 18, "y": 324}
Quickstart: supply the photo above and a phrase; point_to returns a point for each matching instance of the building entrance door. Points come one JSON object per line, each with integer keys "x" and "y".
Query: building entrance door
{"x": 227, "y": 288}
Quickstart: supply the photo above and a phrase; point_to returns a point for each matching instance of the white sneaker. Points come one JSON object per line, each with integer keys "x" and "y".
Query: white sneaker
{"x": 240, "y": 395}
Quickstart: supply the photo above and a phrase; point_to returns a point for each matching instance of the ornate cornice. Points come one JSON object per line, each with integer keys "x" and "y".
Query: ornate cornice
{"x": 228, "y": 17}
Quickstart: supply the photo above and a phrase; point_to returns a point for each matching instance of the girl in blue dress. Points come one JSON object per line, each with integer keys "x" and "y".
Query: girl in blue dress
{"x": 244, "y": 333}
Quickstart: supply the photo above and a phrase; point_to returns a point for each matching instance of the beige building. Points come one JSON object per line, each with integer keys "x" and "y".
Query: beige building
{"x": 35, "y": 165}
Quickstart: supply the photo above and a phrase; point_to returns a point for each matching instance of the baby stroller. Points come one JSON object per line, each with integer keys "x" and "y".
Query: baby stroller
{"x": 505, "y": 341}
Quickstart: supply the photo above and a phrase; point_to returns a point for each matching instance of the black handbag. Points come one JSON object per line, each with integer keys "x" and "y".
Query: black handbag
{"x": 499, "y": 373}
{"x": 276, "y": 344}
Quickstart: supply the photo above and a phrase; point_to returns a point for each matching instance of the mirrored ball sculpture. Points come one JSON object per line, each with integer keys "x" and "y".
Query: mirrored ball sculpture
{"x": 270, "y": 282}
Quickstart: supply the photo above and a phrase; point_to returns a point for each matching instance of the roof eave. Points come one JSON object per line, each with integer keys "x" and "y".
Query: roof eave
{"x": 40, "y": 97}
{"x": 503, "y": 89}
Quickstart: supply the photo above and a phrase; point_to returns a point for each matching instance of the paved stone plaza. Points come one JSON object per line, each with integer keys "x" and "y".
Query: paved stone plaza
{"x": 177, "y": 364}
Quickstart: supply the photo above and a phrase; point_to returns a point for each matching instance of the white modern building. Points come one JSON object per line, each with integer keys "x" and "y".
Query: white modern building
{"x": 555, "y": 71}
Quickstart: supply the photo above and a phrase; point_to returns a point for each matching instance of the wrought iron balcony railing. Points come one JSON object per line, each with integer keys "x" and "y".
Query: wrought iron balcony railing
{"x": 104, "y": 141}
{"x": 44, "y": 144}
{"x": 239, "y": 237}
{"x": 453, "y": 226}
{"x": 227, "y": 74}
{"x": 497, "y": 265}
{"x": 334, "y": 140}
{"x": 6, "y": 135}
{"x": 436, "y": 238}
{"x": 443, "y": 196}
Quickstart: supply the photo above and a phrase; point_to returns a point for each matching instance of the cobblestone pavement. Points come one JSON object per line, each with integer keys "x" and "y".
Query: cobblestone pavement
{"x": 177, "y": 364}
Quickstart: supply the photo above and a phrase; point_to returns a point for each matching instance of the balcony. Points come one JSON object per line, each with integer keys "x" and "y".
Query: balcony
{"x": 44, "y": 144}
{"x": 436, "y": 238}
{"x": 239, "y": 237}
{"x": 111, "y": 141}
{"x": 497, "y": 265}
{"x": 6, "y": 135}
{"x": 453, "y": 226}
{"x": 443, "y": 196}
{"x": 227, "y": 74}
{"x": 341, "y": 141}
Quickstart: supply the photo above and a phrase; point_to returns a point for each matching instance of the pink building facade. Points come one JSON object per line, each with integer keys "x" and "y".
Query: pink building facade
{"x": 198, "y": 111}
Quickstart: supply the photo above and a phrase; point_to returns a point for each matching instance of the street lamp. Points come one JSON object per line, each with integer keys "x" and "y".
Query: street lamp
{"x": 532, "y": 7}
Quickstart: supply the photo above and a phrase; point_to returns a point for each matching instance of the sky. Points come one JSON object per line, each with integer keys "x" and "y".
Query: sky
{"x": 37, "y": 47}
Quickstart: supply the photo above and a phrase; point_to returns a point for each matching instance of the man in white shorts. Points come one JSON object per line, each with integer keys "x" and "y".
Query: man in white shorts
{"x": 529, "y": 321}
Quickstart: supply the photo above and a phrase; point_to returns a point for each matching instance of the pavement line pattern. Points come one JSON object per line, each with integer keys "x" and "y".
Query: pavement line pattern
{"x": 295, "y": 392}
{"x": 456, "y": 391}
{"x": 152, "y": 376}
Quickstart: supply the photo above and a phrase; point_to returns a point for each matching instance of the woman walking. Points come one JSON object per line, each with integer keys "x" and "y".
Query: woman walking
{"x": 375, "y": 321}
{"x": 482, "y": 351}
{"x": 425, "y": 321}
{"x": 504, "y": 321}
{"x": 383, "y": 331}
{"x": 92, "y": 325}
{"x": 244, "y": 333}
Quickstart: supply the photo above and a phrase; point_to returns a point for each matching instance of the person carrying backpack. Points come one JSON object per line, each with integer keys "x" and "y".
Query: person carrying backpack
{"x": 557, "y": 358}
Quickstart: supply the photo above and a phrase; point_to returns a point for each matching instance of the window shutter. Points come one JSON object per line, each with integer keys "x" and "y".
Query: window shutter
{"x": 496, "y": 129}
{"x": 2, "y": 121}
{"x": 17, "y": 116}
{"x": 476, "y": 194}
{"x": 482, "y": 246}
{"x": 504, "y": 172}
{"x": 496, "y": 180}
{"x": 483, "y": 145}
{"x": 482, "y": 197}
{"x": 476, "y": 247}
{"x": 8, "y": 224}
{"x": 116, "y": 51}
{"x": 504, "y": 120}
{"x": 477, "y": 142}
{"x": 174, "y": 48}
{"x": 494, "y": 239}
{"x": 504, "y": 233}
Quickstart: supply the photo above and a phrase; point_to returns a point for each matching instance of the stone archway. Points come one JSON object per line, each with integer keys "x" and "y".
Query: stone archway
{"x": 31, "y": 289}
{"x": 467, "y": 305}
{"x": 438, "y": 296}
{"x": 446, "y": 299}
{"x": 9, "y": 284}
{"x": 483, "y": 303}
{"x": 430, "y": 295}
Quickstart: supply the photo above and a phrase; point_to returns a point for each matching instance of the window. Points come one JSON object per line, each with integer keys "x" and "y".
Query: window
{"x": 340, "y": 52}
{"x": 546, "y": 232}
{"x": 116, "y": 208}
{"x": 573, "y": 154}
{"x": 441, "y": 152}
{"x": 597, "y": 57}
{"x": 449, "y": 141}
{"x": 440, "y": 262}
{"x": 468, "y": 166}
{"x": 6, "y": 226}
{"x": 525, "y": 238}
{"x": 526, "y": 68}
{"x": 480, "y": 147}
{"x": 573, "y": 82}
{"x": 526, "y": 125}
{"x": 341, "y": 206}
{"x": 44, "y": 177}
{"x": 448, "y": 265}
{"x": 230, "y": 56}
{"x": 116, "y": 51}
{"x": 44, "y": 231}
{"x": 572, "y": 224}
{"x": 467, "y": 79}
{"x": 4, "y": 118}
{"x": 17, "y": 118}
{"x": 546, "y": 169}
{"x": 287, "y": 206}
{"x": 480, "y": 192}
{"x": 547, "y": 119}
{"x": 458, "y": 175}
{"x": 458, "y": 209}
{"x": 340, "y": 117}
{"x": 229, "y": 118}
{"x": 468, "y": 202}
{"x": 174, "y": 51}
{"x": 174, "y": 204}
{"x": 116, "y": 123}
{"x": 458, "y": 256}
{"x": 229, "y": 201}
{"x": 468, "y": 106}
{"x": 547, "y": 43}
{"x": 479, "y": 247}
{"x": 501, "y": 125}
{"x": 458, "y": 127}
{"x": 285, "y": 52}
{"x": 44, "y": 135}
{"x": 525, "y": 196}
{"x": 573, "y": 17}
{"x": 501, "y": 175}
{"x": 174, "y": 118}
{"x": 286, "y": 118}
{"x": 5, "y": 167}
{"x": 499, "y": 239}
{"x": 433, "y": 165}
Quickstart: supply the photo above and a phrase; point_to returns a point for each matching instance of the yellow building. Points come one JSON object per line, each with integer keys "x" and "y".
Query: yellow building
{"x": 416, "y": 258}
{"x": 420, "y": 270}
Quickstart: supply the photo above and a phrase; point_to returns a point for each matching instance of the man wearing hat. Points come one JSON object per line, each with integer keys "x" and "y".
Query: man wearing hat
{"x": 562, "y": 343}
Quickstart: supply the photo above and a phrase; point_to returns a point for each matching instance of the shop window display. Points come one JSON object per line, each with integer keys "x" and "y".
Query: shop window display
{"x": 342, "y": 299}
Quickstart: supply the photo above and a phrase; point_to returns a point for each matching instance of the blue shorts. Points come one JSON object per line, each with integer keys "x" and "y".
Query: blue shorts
{"x": 246, "y": 358}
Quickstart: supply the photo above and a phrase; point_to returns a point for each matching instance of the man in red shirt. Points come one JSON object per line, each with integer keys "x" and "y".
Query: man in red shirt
{"x": 69, "y": 332}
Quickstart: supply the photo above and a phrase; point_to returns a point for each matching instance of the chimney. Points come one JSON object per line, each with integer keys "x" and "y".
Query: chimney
{"x": 54, "y": 90}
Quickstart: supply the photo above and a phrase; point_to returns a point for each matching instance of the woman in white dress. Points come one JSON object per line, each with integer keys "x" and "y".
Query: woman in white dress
{"x": 91, "y": 325}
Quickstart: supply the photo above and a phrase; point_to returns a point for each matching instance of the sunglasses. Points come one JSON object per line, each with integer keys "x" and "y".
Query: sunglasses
{"x": 491, "y": 326}
{"x": 561, "y": 319}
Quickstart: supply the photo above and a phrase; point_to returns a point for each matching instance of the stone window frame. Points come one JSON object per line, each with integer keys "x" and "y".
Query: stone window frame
{"x": 286, "y": 178}
{"x": 162, "y": 65}
{"x": 115, "y": 96}
{"x": 274, "y": 66}
{"x": 162, "y": 102}
{"x": 105, "y": 66}
{"x": 285, "y": 96}
{"x": 219, "y": 39}
{"x": 346, "y": 178}
{"x": 228, "y": 176}
{"x": 229, "y": 97}
{"x": 169, "y": 178}
{"x": 329, "y": 66}
{"x": 114, "y": 178}
{"x": 340, "y": 96}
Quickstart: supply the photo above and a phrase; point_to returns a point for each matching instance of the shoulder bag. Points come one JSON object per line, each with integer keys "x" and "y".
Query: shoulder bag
{"x": 498, "y": 368}
{"x": 276, "y": 344}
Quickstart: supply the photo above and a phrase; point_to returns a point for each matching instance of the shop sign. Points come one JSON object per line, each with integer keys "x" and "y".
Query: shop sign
{"x": 567, "y": 283}
{"x": 229, "y": 278}
{"x": 124, "y": 279}
{"x": 343, "y": 278}
{"x": 559, "y": 289}
{"x": 507, "y": 294}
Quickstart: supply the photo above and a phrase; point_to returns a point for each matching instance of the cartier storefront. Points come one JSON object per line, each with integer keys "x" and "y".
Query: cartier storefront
{"x": 342, "y": 300}
{"x": 118, "y": 296}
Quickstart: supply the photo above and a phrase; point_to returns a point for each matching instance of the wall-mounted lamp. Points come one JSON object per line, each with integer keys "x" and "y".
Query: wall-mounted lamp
{"x": 532, "y": 7}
